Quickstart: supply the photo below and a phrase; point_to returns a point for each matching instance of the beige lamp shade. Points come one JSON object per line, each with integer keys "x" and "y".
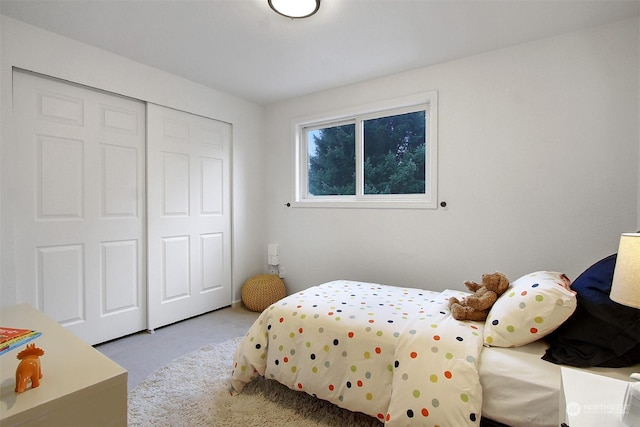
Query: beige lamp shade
{"x": 625, "y": 288}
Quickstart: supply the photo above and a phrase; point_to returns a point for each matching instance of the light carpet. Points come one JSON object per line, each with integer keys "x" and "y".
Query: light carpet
{"x": 194, "y": 390}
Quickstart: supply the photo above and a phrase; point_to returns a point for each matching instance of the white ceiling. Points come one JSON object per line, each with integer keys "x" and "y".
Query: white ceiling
{"x": 243, "y": 48}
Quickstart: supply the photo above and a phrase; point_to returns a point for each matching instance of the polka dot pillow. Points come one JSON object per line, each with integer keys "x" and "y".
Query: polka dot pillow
{"x": 532, "y": 307}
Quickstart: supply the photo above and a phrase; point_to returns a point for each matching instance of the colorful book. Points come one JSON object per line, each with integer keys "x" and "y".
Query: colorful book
{"x": 11, "y": 338}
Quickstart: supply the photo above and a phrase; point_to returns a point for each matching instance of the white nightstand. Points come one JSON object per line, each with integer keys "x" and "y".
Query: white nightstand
{"x": 80, "y": 386}
{"x": 588, "y": 399}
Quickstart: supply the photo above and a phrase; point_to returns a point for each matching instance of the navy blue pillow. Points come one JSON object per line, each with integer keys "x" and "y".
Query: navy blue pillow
{"x": 600, "y": 332}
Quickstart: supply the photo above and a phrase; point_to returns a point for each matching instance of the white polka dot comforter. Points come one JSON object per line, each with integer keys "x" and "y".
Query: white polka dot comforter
{"x": 394, "y": 353}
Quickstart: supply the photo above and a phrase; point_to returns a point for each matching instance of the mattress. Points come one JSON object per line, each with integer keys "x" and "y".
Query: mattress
{"x": 518, "y": 388}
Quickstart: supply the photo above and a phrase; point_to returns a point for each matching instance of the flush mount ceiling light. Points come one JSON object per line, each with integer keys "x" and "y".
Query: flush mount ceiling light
{"x": 295, "y": 8}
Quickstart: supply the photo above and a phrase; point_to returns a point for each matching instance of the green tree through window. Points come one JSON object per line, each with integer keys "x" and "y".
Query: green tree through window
{"x": 394, "y": 157}
{"x": 379, "y": 155}
{"x": 394, "y": 153}
{"x": 332, "y": 161}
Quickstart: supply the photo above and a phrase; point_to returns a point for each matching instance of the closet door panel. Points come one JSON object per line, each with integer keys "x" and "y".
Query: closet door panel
{"x": 78, "y": 197}
{"x": 60, "y": 276}
{"x": 119, "y": 168}
{"x": 120, "y": 275}
{"x": 189, "y": 220}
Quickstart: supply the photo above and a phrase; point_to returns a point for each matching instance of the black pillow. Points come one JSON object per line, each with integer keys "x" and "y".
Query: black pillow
{"x": 600, "y": 332}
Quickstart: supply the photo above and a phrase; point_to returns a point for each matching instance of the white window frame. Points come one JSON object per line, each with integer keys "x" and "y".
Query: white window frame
{"x": 427, "y": 101}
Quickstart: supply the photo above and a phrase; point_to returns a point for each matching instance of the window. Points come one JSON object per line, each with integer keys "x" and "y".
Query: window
{"x": 381, "y": 156}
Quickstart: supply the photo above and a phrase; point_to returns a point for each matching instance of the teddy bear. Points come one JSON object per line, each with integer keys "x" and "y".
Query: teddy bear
{"x": 476, "y": 306}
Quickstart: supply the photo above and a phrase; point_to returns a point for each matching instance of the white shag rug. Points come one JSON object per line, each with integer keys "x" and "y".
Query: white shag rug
{"x": 194, "y": 390}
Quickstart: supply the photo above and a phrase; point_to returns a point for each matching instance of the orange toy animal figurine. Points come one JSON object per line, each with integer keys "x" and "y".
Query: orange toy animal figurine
{"x": 29, "y": 368}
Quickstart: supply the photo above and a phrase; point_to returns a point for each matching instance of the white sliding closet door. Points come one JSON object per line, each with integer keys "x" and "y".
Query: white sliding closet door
{"x": 77, "y": 200}
{"x": 189, "y": 218}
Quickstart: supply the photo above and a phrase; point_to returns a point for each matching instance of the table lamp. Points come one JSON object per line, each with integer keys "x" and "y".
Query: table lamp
{"x": 625, "y": 290}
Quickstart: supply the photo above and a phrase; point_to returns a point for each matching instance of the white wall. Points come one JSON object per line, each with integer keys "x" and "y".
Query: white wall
{"x": 33, "y": 49}
{"x": 538, "y": 162}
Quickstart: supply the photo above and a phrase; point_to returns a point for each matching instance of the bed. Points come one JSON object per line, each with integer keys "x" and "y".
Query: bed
{"x": 398, "y": 355}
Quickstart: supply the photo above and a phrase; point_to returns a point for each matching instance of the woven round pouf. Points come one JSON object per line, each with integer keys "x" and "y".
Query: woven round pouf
{"x": 260, "y": 291}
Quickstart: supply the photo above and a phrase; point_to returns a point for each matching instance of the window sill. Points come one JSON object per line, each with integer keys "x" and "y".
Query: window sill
{"x": 365, "y": 204}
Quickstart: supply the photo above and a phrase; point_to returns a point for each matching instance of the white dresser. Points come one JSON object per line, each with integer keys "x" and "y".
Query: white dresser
{"x": 80, "y": 386}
